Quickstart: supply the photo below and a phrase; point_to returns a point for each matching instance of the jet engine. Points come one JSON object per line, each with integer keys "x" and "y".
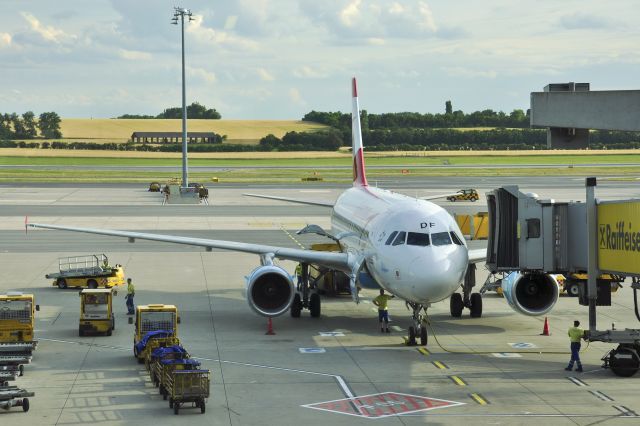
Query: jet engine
{"x": 269, "y": 290}
{"x": 530, "y": 293}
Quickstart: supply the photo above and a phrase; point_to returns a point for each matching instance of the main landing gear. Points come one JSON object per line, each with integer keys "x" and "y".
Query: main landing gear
{"x": 469, "y": 300}
{"x": 306, "y": 296}
{"x": 419, "y": 328}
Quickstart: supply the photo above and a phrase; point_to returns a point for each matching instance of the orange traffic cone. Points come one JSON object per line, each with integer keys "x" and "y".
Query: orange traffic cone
{"x": 545, "y": 329}
{"x": 270, "y": 331}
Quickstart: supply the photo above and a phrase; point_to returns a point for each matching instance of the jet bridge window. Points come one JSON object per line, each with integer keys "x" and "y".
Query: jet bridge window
{"x": 400, "y": 238}
{"x": 391, "y": 237}
{"x": 418, "y": 239}
{"x": 440, "y": 239}
{"x": 533, "y": 228}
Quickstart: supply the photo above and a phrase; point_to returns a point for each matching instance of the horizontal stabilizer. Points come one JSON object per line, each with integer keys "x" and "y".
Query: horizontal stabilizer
{"x": 291, "y": 200}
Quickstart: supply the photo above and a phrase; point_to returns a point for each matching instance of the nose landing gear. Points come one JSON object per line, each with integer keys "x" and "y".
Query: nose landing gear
{"x": 419, "y": 327}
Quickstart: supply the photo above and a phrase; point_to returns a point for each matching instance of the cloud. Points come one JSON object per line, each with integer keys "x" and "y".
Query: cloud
{"x": 470, "y": 73}
{"x": 202, "y": 74}
{"x": 296, "y": 97}
{"x": 306, "y": 71}
{"x": 230, "y": 22}
{"x": 585, "y": 21}
{"x": 5, "y": 40}
{"x": 48, "y": 33}
{"x": 211, "y": 36}
{"x": 265, "y": 75}
{"x": 134, "y": 55}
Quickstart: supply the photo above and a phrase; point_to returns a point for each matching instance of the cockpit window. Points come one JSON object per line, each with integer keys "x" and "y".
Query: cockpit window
{"x": 400, "y": 238}
{"x": 417, "y": 239}
{"x": 441, "y": 239}
{"x": 391, "y": 237}
{"x": 456, "y": 239}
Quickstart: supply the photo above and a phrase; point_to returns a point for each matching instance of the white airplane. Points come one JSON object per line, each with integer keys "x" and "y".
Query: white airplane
{"x": 410, "y": 247}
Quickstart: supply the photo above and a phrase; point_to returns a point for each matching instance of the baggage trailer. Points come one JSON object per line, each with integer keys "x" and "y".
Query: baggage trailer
{"x": 96, "y": 311}
{"x": 17, "y": 319}
{"x": 156, "y": 326}
{"x": 90, "y": 271}
{"x": 161, "y": 354}
{"x": 12, "y": 396}
{"x": 184, "y": 386}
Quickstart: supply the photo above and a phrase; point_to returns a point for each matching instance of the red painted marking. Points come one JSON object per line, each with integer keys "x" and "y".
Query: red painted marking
{"x": 354, "y": 92}
{"x": 359, "y": 173}
{"x": 382, "y": 405}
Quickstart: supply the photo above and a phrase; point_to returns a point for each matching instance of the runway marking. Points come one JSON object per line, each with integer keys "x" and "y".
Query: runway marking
{"x": 532, "y": 415}
{"x": 506, "y": 355}
{"x": 312, "y": 350}
{"x": 331, "y": 334}
{"x": 627, "y": 412}
{"x": 292, "y": 237}
{"x": 440, "y": 365}
{"x": 577, "y": 381}
{"x": 478, "y": 398}
{"x": 601, "y": 396}
{"x": 458, "y": 381}
{"x": 381, "y": 405}
{"x": 424, "y": 351}
{"x": 522, "y": 345}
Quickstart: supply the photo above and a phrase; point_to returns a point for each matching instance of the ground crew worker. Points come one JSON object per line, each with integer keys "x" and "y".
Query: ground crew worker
{"x": 299, "y": 274}
{"x": 575, "y": 334}
{"x": 131, "y": 292}
{"x": 381, "y": 302}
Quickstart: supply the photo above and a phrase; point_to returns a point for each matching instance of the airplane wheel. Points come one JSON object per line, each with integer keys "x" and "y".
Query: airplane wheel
{"x": 296, "y": 306}
{"x": 25, "y": 404}
{"x": 62, "y": 283}
{"x": 314, "y": 305}
{"x": 202, "y": 406}
{"x": 626, "y": 365}
{"x": 412, "y": 336}
{"x": 456, "y": 305}
{"x": 92, "y": 284}
{"x": 423, "y": 335}
{"x": 572, "y": 288}
{"x": 476, "y": 305}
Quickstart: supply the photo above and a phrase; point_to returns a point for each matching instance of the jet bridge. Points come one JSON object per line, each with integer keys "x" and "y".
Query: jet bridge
{"x": 539, "y": 237}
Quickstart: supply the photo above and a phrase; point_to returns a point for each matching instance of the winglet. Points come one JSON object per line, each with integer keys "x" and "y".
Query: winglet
{"x": 359, "y": 174}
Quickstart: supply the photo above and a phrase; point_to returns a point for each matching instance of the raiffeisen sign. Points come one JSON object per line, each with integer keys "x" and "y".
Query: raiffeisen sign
{"x": 619, "y": 236}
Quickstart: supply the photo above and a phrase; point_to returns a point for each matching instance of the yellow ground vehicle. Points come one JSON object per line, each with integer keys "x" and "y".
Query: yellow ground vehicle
{"x": 573, "y": 282}
{"x": 90, "y": 271}
{"x": 154, "y": 187}
{"x": 465, "y": 194}
{"x": 17, "y": 318}
{"x": 156, "y": 326}
{"x": 96, "y": 311}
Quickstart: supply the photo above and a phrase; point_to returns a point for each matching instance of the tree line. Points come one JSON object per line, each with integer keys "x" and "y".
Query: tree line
{"x": 25, "y": 126}
{"x": 195, "y": 110}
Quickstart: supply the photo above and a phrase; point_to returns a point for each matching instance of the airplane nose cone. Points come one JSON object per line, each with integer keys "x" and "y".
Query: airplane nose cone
{"x": 436, "y": 279}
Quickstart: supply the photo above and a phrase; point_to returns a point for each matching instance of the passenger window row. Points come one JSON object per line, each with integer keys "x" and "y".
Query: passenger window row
{"x": 397, "y": 238}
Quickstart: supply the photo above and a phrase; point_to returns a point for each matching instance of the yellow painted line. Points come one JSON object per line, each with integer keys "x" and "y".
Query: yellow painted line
{"x": 440, "y": 365}
{"x": 424, "y": 351}
{"x": 478, "y": 398}
{"x": 292, "y": 237}
{"x": 458, "y": 381}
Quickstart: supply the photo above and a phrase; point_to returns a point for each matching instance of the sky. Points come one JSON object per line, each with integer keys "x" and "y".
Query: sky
{"x": 279, "y": 59}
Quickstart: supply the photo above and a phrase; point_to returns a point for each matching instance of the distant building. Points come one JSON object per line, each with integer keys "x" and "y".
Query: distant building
{"x": 174, "y": 137}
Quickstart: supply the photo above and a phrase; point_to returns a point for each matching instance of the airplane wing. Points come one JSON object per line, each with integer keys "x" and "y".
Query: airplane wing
{"x": 291, "y": 200}
{"x": 341, "y": 261}
{"x": 435, "y": 197}
{"x": 477, "y": 255}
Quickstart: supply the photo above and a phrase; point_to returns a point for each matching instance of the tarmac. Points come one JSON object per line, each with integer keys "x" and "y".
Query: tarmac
{"x": 337, "y": 369}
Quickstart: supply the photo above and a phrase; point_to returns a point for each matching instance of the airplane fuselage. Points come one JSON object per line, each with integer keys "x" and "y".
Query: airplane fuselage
{"x": 412, "y": 248}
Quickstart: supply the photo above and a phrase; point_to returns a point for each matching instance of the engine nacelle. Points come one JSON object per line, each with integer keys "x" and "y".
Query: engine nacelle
{"x": 530, "y": 293}
{"x": 269, "y": 290}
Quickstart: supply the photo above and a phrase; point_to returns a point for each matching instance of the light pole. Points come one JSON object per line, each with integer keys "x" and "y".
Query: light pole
{"x": 178, "y": 14}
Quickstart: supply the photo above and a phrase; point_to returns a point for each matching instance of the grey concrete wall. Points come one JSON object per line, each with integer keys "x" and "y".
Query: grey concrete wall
{"x": 602, "y": 110}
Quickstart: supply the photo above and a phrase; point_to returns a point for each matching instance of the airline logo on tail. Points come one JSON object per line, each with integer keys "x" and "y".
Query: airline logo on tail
{"x": 359, "y": 175}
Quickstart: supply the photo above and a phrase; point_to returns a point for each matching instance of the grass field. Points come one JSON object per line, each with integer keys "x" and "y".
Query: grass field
{"x": 237, "y": 131}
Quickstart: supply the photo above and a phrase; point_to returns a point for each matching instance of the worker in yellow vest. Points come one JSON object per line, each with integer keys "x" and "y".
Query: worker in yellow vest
{"x": 131, "y": 292}
{"x": 381, "y": 302}
{"x": 575, "y": 334}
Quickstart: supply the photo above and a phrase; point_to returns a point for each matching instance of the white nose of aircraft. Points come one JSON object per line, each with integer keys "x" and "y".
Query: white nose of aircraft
{"x": 436, "y": 278}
